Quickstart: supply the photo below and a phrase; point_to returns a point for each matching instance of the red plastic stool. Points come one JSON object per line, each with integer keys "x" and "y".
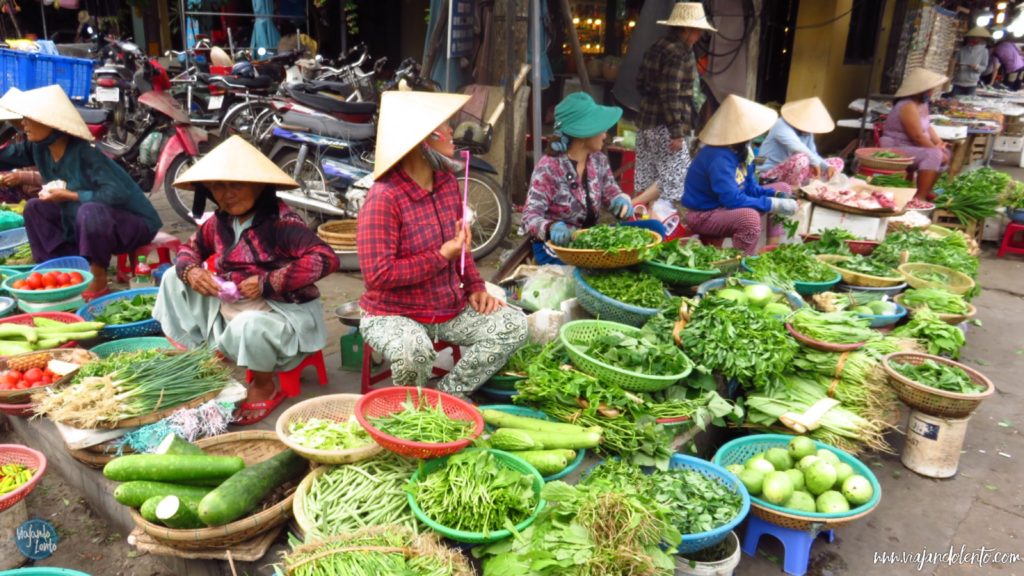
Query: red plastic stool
{"x": 291, "y": 380}
{"x": 163, "y": 244}
{"x": 1012, "y": 244}
{"x": 369, "y": 378}
{"x": 866, "y": 171}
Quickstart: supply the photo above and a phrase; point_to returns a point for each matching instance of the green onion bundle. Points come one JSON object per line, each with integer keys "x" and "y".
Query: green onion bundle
{"x": 834, "y": 327}
{"x": 422, "y": 422}
{"x": 937, "y": 299}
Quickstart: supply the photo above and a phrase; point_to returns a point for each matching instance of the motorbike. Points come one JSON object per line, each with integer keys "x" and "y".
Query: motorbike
{"x": 117, "y": 83}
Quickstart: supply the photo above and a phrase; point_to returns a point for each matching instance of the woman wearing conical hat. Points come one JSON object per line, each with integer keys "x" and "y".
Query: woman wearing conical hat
{"x": 908, "y": 129}
{"x": 971, "y": 61}
{"x": 93, "y": 209}
{"x": 275, "y": 317}
{"x": 721, "y": 195}
{"x": 410, "y": 242}
{"x": 789, "y": 152}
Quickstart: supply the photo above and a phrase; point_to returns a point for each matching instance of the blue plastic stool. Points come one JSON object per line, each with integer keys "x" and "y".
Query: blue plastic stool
{"x": 796, "y": 544}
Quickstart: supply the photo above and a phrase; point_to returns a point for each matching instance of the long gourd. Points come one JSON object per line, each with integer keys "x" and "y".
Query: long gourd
{"x": 500, "y": 419}
{"x": 175, "y": 445}
{"x": 135, "y": 493}
{"x": 171, "y": 468}
{"x": 148, "y": 509}
{"x": 177, "y": 513}
{"x": 241, "y": 493}
{"x": 518, "y": 439}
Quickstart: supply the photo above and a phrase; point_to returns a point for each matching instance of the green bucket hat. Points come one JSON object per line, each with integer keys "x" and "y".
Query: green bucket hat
{"x": 578, "y": 116}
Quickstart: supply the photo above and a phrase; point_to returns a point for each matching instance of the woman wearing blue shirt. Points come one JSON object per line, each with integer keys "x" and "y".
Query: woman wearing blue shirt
{"x": 721, "y": 194}
{"x": 789, "y": 152}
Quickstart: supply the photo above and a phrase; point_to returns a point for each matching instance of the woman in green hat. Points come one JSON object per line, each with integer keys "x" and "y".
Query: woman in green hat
{"x": 573, "y": 181}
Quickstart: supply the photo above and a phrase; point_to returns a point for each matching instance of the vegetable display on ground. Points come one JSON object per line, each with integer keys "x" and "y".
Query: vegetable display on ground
{"x": 634, "y": 288}
{"x": 832, "y": 327}
{"x": 937, "y": 336}
{"x": 690, "y": 254}
{"x": 787, "y": 264}
{"x": 936, "y": 299}
{"x": 128, "y": 310}
{"x": 423, "y": 422}
{"x": 48, "y": 280}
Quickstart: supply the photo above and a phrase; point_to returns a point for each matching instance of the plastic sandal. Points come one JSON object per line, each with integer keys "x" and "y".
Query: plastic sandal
{"x": 89, "y": 295}
{"x": 264, "y": 408}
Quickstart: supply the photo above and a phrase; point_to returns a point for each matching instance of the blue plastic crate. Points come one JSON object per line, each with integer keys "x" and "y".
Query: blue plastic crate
{"x": 28, "y": 70}
{"x": 76, "y": 262}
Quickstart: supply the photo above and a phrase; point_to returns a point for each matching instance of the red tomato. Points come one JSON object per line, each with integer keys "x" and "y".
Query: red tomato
{"x": 76, "y": 278}
{"x": 11, "y": 377}
{"x": 64, "y": 279}
{"x": 19, "y": 285}
{"x": 49, "y": 282}
{"x": 45, "y": 381}
{"x": 33, "y": 375}
{"x": 34, "y": 282}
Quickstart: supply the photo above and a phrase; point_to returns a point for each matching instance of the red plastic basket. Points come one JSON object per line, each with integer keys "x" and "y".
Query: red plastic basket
{"x": 385, "y": 401}
{"x": 27, "y": 320}
{"x": 24, "y": 410}
{"x": 18, "y": 454}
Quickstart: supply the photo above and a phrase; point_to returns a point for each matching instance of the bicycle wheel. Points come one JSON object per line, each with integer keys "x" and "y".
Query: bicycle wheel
{"x": 179, "y": 198}
{"x": 492, "y": 212}
{"x": 312, "y": 182}
{"x": 241, "y": 120}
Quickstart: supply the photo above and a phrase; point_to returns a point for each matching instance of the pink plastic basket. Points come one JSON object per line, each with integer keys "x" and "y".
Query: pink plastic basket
{"x": 18, "y": 454}
{"x": 385, "y": 401}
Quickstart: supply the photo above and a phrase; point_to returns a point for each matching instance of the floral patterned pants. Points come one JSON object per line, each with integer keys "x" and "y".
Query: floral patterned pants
{"x": 409, "y": 346}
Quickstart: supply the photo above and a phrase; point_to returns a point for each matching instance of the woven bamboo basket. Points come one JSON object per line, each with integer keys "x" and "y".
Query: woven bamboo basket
{"x": 600, "y": 259}
{"x": 948, "y": 318}
{"x": 930, "y": 400}
{"x": 253, "y": 447}
{"x": 867, "y": 159}
{"x": 301, "y": 519}
{"x": 337, "y": 407}
{"x": 340, "y": 234}
{"x": 25, "y": 396}
{"x": 852, "y": 278}
{"x": 97, "y": 456}
{"x": 818, "y": 344}
{"x": 959, "y": 283}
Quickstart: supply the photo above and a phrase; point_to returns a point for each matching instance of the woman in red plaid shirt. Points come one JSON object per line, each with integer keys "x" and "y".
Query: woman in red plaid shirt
{"x": 410, "y": 241}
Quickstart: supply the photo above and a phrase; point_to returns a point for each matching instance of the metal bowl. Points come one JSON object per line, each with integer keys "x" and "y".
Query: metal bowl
{"x": 349, "y": 313}
{"x": 349, "y": 260}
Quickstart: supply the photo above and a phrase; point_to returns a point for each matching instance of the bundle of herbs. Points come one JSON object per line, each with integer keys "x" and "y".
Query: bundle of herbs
{"x": 690, "y": 254}
{"x": 520, "y": 359}
{"x": 974, "y": 195}
{"x": 611, "y": 238}
{"x": 934, "y": 334}
{"x": 729, "y": 338}
{"x": 586, "y": 531}
{"x": 951, "y": 251}
{"x": 634, "y": 288}
{"x": 786, "y": 264}
{"x": 376, "y": 551}
{"x": 422, "y": 422}
{"x": 867, "y": 265}
{"x": 130, "y": 384}
{"x": 1013, "y": 198}
{"x": 938, "y": 376}
{"x": 936, "y": 299}
{"x": 839, "y": 327}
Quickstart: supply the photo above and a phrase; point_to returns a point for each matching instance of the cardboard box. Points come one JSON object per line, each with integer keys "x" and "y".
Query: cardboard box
{"x": 866, "y": 227}
{"x": 1008, "y": 144}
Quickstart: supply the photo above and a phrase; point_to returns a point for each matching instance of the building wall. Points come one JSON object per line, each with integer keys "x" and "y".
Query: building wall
{"x": 817, "y": 67}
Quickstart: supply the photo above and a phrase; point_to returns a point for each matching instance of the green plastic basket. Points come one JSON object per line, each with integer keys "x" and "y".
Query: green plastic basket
{"x": 132, "y": 345}
{"x": 577, "y": 334}
{"x": 514, "y": 462}
{"x": 804, "y": 288}
{"x": 607, "y": 308}
{"x": 740, "y": 450}
{"x": 678, "y": 275}
{"x": 54, "y": 295}
{"x": 531, "y": 413}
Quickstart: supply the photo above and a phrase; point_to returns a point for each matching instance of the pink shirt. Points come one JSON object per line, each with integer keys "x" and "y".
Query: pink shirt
{"x": 1009, "y": 56}
{"x": 894, "y": 135}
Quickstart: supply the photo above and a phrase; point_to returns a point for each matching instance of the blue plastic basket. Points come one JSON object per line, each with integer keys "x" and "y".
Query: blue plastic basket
{"x": 888, "y": 291}
{"x": 28, "y": 70}
{"x": 883, "y": 320}
{"x": 531, "y": 413}
{"x": 794, "y": 299}
{"x": 114, "y": 331}
{"x": 132, "y": 345}
{"x": 694, "y": 542}
{"x": 11, "y": 239}
{"x": 605, "y": 308}
{"x": 66, "y": 262}
{"x": 43, "y": 571}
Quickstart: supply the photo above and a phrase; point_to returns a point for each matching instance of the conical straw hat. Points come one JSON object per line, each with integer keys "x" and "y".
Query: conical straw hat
{"x": 9, "y": 97}
{"x": 808, "y": 115}
{"x": 235, "y": 160}
{"x": 688, "y": 15}
{"x": 978, "y": 32}
{"x": 219, "y": 57}
{"x": 919, "y": 80}
{"x": 737, "y": 120}
{"x": 50, "y": 106}
{"x": 406, "y": 119}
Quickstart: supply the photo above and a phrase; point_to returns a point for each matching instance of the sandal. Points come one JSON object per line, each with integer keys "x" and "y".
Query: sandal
{"x": 264, "y": 408}
{"x": 90, "y": 295}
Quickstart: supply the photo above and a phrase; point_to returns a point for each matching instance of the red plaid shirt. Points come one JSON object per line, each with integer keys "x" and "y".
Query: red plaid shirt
{"x": 401, "y": 230}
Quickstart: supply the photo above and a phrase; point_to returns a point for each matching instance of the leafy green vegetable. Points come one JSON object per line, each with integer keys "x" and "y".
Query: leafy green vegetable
{"x": 643, "y": 353}
{"x": 869, "y": 266}
{"x": 692, "y": 254}
{"x": 974, "y": 195}
{"x": 887, "y": 154}
{"x": 323, "y": 434}
{"x": 832, "y": 241}
{"x": 1014, "y": 196}
{"x": 635, "y": 288}
{"x": 521, "y": 358}
{"x": 950, "y": 251}
{"x": 792, "y": 262}
{"x": 611, "y": 238}
{"x": 940, "y": 376}
{"x": 835, "y": 327}
{"x": 126, "y": 311}
{"x": 939, "y": 300}
{"x": 932, "y": 332}
{"x": 891, "y": 181}
{"x": 423, "y": 422}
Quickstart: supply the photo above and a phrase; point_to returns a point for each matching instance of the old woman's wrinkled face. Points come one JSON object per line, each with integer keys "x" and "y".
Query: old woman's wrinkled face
{"x": 35, "y": 131}
{"x": 235, "y": 198}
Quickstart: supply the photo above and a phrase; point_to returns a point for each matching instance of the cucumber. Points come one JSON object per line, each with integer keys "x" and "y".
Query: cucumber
{"x": 512, "y": 440}
{"x": 175, "y": 445}
{"x": 135, "y": 493}
{"x": 545, "y": 440}
{"x": 500, "y": 419}
{"x": 148, "y": 509}
{"x": 548, "y": 462}
{"x": 176, "y": 513}
{"x": 242, "y": 493}
{"x": 171, "y": 468}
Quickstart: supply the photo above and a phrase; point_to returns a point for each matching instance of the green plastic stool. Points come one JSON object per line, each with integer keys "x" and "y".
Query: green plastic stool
{"x": 352, "y": 351}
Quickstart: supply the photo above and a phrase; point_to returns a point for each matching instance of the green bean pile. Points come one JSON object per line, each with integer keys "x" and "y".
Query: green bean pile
{"x": 368, "y": 493}
{"x": 422, "y": 422}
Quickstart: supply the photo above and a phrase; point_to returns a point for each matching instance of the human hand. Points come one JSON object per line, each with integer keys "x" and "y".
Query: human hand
{"x": 484, "y": 303}
{"x": 814, "y": 171}
{"x": 58, "y": 195}
{"x": 453, "y": 248}
{"x": 560, "y": 233}
{"x": 251, "y": 288}
{"x": 202, "y": 282}
{"x": 675, "y": 145}
{"x": 621, "y": 207}
{"x": 783, "y": 206}
{"x": 831, "y": 172}
{"x": 10, "y": 179}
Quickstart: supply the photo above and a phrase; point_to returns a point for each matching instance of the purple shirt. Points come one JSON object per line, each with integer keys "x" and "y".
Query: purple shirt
{"x": 894, "y": 135}
{"x": 1009, "y": 56}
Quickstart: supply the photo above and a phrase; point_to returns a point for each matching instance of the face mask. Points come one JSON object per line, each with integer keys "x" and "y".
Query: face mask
{"x": 926, "y": 98}
{"x": 53, "y": 137}
{"x": 750, "y": 155}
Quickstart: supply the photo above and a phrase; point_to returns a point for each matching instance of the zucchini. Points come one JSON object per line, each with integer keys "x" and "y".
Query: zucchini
{"x": 548, "y": 462}
{"x": 11, "y": 348}
{"x": 27, "y": 333}
{"x": 512, "y": 440}
{"x": 148, "y": 509}
{"x": 175, "y": 445}
{"x": 546, "y": 440}
{"x": 171, "y": 468}
{"x": 243, "y": 492}
{"x": 135, "y": 493}
{"x": 500, "y": 419}
{"x": 176, "y": 513}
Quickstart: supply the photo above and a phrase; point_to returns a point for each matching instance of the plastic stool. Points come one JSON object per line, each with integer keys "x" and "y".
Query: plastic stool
{"x": 369, "y": 378}
{"x": 1011, "y": 243}
{"x": 291, "y": 380}
{"x": 796, "y": 544}
{"x": 163, "y": 244}
{"x": 866, "y": 171}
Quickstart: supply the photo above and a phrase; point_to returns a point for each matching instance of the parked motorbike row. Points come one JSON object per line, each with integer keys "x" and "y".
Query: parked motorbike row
{"x": 315, "y": 120}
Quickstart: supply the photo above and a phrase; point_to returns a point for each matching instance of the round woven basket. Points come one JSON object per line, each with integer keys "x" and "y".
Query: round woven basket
{"x": 337, "y": 407}
{"x": 930, "y": 400}
{"x": 599, "y": 258}
{"x": 851, "y": 278}
{"x": 818, "y": 344}
{"x": 954, "y": 319}
{"x": 25, "y": 396}
{"x": 99, "y": 455}
{"x": 959, "y": 283}
{"x": 253, "y": 447}
{"x": 340, "y": 234}
{"x": 867, "y": 159}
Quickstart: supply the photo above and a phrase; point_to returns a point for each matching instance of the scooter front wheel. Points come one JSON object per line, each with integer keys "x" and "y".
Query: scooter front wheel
{"x": 179, "y": 198}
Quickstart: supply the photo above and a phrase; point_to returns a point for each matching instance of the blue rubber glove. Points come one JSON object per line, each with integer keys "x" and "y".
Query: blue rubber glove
{"x": 621, "y": 207}
{"x": 783, "y": 206}
{"x": 560, "y": 234}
